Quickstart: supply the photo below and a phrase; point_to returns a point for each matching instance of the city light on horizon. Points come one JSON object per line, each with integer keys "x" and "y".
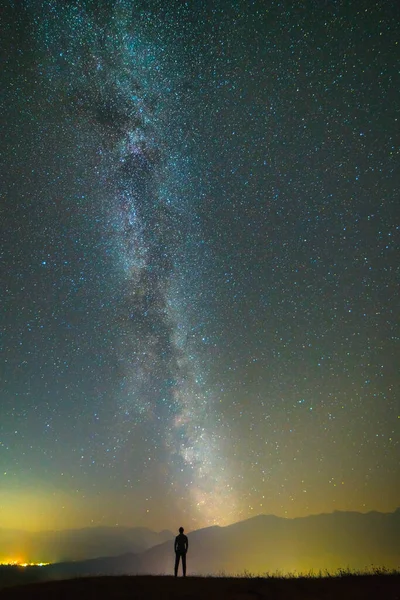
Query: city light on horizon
{"x": 11, "y": 562}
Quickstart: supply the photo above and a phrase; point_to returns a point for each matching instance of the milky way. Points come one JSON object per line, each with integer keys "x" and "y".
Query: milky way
{"x": 127, "y": 85}
{"x": 201, "y": 239}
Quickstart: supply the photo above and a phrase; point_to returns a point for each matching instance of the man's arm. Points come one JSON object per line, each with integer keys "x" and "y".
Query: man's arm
{"x": 187, "y": 544}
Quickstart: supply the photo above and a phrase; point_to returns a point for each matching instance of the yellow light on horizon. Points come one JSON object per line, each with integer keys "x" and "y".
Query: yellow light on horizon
{"x": 11, "y": 562}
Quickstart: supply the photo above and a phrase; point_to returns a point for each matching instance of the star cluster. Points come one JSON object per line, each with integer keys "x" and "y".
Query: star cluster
{"x": 200, "y": 261}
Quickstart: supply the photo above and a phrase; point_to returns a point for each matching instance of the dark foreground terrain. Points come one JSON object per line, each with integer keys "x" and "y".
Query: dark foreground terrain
{"x": 348, "y": 587}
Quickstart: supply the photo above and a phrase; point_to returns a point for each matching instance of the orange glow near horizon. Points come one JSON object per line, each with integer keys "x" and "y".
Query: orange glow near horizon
{"x": 15, "y": 562}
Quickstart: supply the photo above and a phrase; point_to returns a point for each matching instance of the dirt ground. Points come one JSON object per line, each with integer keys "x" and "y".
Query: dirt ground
{"x": 354, "y": 587}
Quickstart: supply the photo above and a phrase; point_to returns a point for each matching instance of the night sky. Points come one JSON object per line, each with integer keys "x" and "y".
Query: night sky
{"x": 199, "y": 260}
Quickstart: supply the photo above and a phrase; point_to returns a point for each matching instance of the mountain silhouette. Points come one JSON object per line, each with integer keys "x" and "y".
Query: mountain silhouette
{"x": 260, "y": 545}
{"x": 268, "y": 544}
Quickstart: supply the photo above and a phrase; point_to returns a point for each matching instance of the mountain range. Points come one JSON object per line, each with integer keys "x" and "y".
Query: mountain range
{"x": 258, "y": 545}
{"x": 269, "y": 544}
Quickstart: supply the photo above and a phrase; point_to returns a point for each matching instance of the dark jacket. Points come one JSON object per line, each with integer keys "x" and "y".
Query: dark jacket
{"x": 181, "y": 543}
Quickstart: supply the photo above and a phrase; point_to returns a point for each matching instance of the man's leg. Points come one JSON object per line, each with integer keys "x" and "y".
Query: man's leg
{"x": 184, "y": 564}
{"x": 177, "y": 555}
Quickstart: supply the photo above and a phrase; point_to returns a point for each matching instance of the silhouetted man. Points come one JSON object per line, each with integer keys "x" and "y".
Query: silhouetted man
{"x": 181, "y": 547}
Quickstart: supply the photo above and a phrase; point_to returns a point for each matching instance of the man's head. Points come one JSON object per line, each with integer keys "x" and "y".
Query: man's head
{"x": 181, "y": 530}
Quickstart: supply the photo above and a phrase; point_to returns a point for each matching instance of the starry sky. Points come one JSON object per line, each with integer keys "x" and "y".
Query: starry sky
{"x": 199, "y": 261}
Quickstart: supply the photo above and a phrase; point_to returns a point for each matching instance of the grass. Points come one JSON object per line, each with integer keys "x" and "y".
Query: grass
{"x": 376, "y": 583}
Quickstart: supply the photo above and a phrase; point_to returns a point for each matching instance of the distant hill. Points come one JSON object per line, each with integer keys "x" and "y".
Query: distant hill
{"x": 259, "y": 545}
{"x": 78, "y": 544}
{"x": 267, "y": 543}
